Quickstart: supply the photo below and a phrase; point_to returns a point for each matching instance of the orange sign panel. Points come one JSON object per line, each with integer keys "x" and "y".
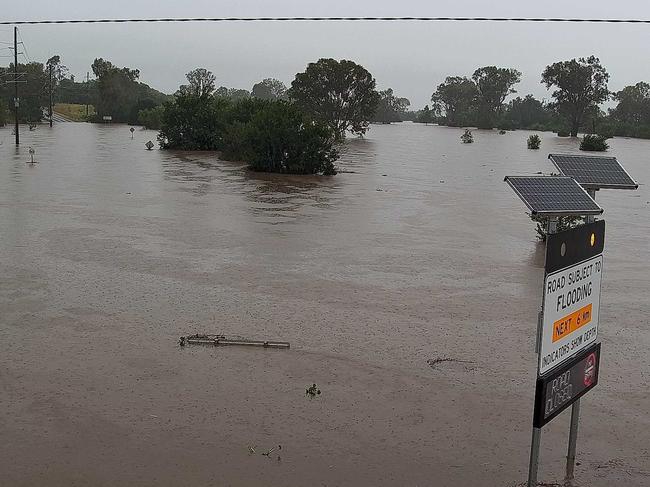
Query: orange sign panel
{"x": 571, "y": 323}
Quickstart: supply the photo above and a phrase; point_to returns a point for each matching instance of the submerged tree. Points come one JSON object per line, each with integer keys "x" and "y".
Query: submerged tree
{"x": 455, "y": 98}
{"x": 281, "y": 138}
{"x": 581, "y": 84}
{"x": 339, "y": 93}
{"x": 425, "y": 116}
{"x": 493, "y": 85}
{"x": 390, "y": 107}
{"x": 633, "y": 104}
{"x": 527, "y": 113}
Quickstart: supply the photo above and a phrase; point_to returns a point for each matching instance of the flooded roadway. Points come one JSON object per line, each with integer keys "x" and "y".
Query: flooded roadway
{"x": 109, "y": 253}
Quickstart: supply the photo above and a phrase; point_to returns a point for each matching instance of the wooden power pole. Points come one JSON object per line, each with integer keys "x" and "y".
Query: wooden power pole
{"x": 16, "y": 100}
{"x": 50, "y": 94}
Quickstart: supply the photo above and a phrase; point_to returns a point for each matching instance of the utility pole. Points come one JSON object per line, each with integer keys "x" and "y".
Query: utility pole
{"x": 87, "y": 91}
{"x": 50, "y": 94}
{"x": 16, "y": 101}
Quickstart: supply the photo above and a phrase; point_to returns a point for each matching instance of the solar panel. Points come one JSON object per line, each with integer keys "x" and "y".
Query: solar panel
{"x": 553, "y": 195}
{"x": 594, "y": 172}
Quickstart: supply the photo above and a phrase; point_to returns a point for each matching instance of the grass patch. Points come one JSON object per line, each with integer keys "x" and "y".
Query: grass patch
{"x": 74, "y": 111}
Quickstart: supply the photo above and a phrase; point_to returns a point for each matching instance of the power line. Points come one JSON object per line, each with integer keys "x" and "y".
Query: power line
{"x": 26, "y": 55}
{"x": 330, "y": 19}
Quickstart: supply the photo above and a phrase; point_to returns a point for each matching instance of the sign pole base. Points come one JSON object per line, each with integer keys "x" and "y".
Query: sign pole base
{"x": 573, "y": 437}
{"x": 534, "y": 457}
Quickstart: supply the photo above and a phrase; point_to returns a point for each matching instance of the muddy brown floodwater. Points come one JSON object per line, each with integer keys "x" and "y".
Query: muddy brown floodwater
{"x": 109, "y": 253}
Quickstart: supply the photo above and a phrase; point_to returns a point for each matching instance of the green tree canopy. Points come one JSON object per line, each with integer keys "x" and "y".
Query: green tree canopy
{"x": 201, "y": 82}
{"x": 116, "y": 89}
{"x": 119, "y": 94}
{"x": 340, "y": 94}
{"x": 281, "y": 138}
{"x": 390, "y": 107}
{"x": 425, "y": 115}
{"x": 493, "y": 85}
{"x": 633, "y": 104}
{"x": 270, "y": 89}
{"x": 32, "y": 90}
{"x": 580, "y": 84}
{"x": 527, "y": 113}
{"x": 192, "y": 122}
{"x": 232, "y": 93}
{"x": 455, "y": 99}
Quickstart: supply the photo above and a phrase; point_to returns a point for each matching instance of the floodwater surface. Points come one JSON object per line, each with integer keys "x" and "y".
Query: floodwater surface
{"x": 417, "y": 252}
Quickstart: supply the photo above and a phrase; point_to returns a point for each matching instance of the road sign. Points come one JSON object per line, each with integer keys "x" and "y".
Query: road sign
{"x": 574, "y": 267}
{"x": 565, "y": 385}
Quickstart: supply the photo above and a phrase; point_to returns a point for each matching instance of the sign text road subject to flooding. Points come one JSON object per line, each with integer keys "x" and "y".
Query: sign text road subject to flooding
{"x": 571, "y": 303}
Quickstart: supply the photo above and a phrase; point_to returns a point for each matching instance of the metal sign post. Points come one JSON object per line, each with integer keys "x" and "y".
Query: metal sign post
{"x": 568, "y": 362}
{"x": 533, "y": 464}
{"x": 567, "y": 328}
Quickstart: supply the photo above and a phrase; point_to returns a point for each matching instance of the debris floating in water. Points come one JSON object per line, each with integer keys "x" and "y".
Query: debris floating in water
{"x": 217, "y": 340}
{"x": 312, "y": 391}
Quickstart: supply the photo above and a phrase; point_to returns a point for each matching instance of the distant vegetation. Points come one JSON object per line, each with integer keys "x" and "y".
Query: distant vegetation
{"x": 272, "y": 135}
{"x": 579, "y": 87}
{"x": 343, "y": 95}
{"x": 119, "y": 93}
{"x": 390, "y": 108}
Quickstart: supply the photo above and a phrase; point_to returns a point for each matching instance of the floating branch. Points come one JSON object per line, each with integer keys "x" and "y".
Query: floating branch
{"x": 217, "y": 340}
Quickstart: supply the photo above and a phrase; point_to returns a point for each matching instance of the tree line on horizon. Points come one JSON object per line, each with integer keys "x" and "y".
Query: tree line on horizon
{"x": 579, "y": 88}
{"x": 274, "y": 127}
{"x": 118, "y": 93}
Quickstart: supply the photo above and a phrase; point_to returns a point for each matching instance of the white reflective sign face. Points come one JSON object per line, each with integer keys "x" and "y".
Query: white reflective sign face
{"x": 571, "y": 305}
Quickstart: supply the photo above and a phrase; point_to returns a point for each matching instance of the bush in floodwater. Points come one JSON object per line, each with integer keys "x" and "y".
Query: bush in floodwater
{"x": 281, "y": 138}
{"x": 194, "y": 122}
{"x": 467, "y": 137}
{"x": 593, "y": 142}
{"x": 533, "y": 141}
{"x": 271, "y": 135}
{"x": 563, "y": 133}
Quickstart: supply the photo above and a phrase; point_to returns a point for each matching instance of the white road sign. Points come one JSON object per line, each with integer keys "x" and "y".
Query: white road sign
{"x": 571, "y": 304}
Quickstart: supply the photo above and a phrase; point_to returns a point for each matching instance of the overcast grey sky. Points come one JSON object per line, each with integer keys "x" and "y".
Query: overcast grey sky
{"x": 412, "y": 58}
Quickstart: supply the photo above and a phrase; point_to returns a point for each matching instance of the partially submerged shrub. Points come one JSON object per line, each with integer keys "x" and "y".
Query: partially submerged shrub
{"x": 533, "y": 141}
{"x": 593, "y": 142}
{"x": 563, "y": 133}
{"x": 467, "y": 137}
{"x": 272, "y": 136}
{"x": 281, "y": 138}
